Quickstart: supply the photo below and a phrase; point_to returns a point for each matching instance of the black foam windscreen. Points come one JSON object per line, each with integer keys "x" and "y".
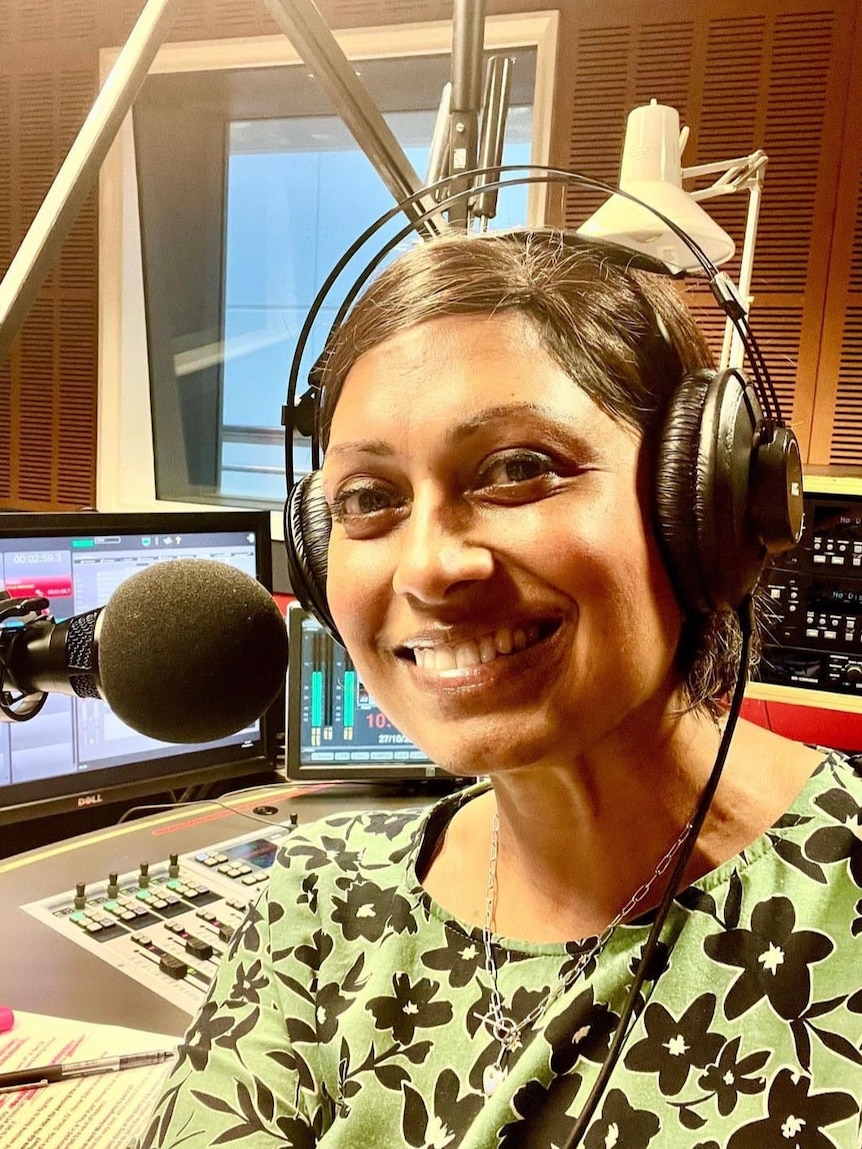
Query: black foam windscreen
{"x": 191, "y": 650}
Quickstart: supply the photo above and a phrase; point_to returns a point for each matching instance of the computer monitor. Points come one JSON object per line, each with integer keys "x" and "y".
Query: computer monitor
{"x": 334, "y": 730}
{"x": 75, "y": 753}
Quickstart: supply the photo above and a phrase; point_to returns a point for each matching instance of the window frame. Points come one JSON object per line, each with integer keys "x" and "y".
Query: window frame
{"x": 125, "y": 464}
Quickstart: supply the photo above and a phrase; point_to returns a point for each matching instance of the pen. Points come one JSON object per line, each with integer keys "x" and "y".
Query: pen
{"x": 47, "y": 1074}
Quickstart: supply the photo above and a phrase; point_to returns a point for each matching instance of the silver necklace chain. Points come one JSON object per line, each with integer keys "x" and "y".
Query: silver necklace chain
{"x": 504, "y": 1029}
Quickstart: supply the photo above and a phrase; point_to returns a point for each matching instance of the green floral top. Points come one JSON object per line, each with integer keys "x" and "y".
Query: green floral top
{"x": 348, "y": 1013}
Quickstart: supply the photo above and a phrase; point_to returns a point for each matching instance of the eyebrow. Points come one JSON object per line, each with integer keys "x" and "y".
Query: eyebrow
{"x": 361, "y": 447}
{"x": 456, "y": 434}
{"x": 496, "y": 414}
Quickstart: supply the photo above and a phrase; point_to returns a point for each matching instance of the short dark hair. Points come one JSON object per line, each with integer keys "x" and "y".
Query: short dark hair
{"x": 625, "y": 336}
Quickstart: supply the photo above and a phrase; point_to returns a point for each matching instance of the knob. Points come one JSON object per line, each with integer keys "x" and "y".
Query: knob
{"x": 113, "y": 885}
{"x": 80, "y": 896}
{"x": 853, "y": 674}
{"x": 174, "y": 866}
{"x": 144, "y": 876}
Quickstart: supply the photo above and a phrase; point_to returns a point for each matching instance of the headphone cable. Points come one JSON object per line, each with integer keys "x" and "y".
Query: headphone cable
{"x": 745, "y": 613}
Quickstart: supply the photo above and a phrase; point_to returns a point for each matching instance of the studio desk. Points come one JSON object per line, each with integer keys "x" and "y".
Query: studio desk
{"x": 125, "y": 925}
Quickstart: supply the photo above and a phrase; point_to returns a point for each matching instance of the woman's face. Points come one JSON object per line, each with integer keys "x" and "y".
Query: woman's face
{"x": 490, "y": 567}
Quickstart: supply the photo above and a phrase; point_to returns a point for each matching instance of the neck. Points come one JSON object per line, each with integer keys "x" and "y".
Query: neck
{"x": 577, "y": 839}
{"x": 575, "y": 844}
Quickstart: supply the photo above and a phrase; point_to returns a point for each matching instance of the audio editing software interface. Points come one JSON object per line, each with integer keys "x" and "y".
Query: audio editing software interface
{"x": 78, "y": 574}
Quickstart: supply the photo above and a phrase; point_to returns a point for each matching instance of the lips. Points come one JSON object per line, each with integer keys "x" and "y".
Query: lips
{"x": 486, "y": 648}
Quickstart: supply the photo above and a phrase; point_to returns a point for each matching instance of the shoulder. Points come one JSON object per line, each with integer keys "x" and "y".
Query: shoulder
{"x": 351, "y": 879}
{"x": 363, "y": 845}
{"x": 812, "y": 853}
{"x": 835, "y": 788}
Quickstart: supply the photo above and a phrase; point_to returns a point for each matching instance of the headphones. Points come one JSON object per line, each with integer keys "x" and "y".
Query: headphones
{"x": 727, "y": 482}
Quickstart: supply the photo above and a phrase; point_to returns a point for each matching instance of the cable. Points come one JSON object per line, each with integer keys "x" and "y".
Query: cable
{"x": 150, "y": 808}
{"x": 746, "y": 623}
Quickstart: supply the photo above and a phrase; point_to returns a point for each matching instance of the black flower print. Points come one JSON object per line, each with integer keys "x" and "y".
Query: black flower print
{"x": 248, "y": 984}
{"x": 622, "y": 1126}
{"x": 583, "y": 1029}
{"x": 308, "y": 893}
{"x": 773, "y": 958}
{"x": 790, "y": 850}
{"x": 477, "y": 1011}
{"x": 439, "y": 1127}
{"x": 410, "y": 1007}
{"x": 575, "y": 952}
{"x": 462, "y": 956}
{"x": 796, "y": 1118}
{"x": 330, "y": 850}
{"x": 207, "y": 1028}
{"x": 329, "y": 1006}
{"x": 248, "y": 934}
{"x": 673, "y": 1047}
{"x": 842, "y": 842}
{"x": 544, "y": 1114}
{"x": 254, "y": 1114}
{"x": 856, "y": 924}
{"x": 523, "y": 1002}
{"x": 389, "y": 825}
{"x": 359, "y": 1008}
{"x": 315, "y": 954}
{"x": 364, "y": 912}
{"x": 731, "y": 1075}
{"x": 401, "y": 918}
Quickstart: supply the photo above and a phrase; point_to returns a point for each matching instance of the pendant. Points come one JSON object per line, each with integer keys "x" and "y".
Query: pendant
{"x": 493, "y": 1077}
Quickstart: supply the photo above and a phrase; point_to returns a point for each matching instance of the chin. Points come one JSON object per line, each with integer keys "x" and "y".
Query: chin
{"x": 496, "y": 751}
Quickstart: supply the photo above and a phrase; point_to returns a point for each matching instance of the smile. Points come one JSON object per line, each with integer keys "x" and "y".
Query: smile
{"x": 479, "y": 651}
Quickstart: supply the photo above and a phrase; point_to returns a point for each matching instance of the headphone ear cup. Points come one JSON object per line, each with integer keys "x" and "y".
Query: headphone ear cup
{"x": 702, "y": 489}
{"x": 307, "y": 526}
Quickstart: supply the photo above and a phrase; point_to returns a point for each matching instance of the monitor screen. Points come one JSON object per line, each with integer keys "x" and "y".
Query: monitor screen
{"x": 75, "y": 753}
{"x": 334, "y": 729}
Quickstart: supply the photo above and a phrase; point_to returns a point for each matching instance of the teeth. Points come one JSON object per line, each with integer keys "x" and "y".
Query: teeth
{"x": 474, "y": 652}
{"x": 487, "y": 648}
{"x": 467, "y": 654}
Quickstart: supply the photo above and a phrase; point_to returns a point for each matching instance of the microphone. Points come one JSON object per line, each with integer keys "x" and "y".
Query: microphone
{"x": 186, "y": 650}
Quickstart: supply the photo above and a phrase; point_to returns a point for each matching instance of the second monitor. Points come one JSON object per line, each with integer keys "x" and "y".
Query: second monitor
{"x": 334, "y": 728}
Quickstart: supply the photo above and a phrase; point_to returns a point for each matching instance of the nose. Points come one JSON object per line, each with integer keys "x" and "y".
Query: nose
{"x": 437, "y": 553}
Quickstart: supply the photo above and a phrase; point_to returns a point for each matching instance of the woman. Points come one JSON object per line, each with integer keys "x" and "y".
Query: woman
{"x": 492, "y": 410}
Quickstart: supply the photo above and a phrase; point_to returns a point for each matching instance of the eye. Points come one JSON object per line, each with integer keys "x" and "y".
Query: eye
{"x": 514, "y": 468}
{"x": 365, "y": 507}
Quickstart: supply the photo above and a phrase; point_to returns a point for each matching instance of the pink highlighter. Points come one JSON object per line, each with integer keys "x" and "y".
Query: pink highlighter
{"x": 7, "y": 1018}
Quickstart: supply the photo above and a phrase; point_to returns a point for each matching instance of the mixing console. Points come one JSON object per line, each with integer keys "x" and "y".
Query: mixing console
{"x": 167, "y": 924}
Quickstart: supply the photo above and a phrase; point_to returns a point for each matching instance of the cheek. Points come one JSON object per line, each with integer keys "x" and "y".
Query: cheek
{"x": 355, "y": 589}
{"x": 630, "y": 592}
{"x": 652, "y": 609}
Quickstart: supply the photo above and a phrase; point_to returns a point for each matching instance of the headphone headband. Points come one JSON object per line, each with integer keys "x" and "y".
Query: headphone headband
{"x": 727, "y": 482}
{"x": 296, "y": 416}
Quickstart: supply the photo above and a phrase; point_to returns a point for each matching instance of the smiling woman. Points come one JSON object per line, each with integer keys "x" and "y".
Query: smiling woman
{"x": 541, "y": 580}
{"x": 518, "y": 483}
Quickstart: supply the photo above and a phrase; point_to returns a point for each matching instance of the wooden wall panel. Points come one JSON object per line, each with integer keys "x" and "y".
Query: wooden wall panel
{"x": 5, "y": 172}
{"x": 837, "y": 414}
{"x": 846, "y": 438}
{"x": 743, "y": 74}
